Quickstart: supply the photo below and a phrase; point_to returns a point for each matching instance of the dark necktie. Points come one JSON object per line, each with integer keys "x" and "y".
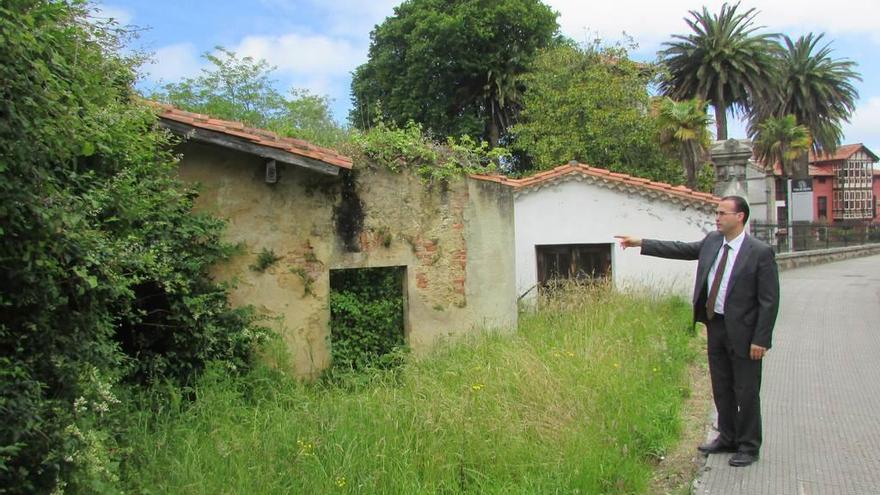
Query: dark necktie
{"x": 716, "y": 282}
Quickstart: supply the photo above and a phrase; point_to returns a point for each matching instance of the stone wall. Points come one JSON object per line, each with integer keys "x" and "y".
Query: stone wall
{"x": 787, "y": 261}
{"x": 455, "y": 240}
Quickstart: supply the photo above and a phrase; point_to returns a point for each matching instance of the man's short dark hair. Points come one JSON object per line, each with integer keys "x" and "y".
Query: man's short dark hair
{"x": 741, "y": 206}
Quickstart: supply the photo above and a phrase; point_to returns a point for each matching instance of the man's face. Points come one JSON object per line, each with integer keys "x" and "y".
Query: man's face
{"x": 727, "y": 219}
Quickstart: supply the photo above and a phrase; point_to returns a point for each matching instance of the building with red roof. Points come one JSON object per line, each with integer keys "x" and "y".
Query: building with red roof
{"x": 845, "y": 184}
{"x": 307, "y": 218}
{"x": 566, "y": 219}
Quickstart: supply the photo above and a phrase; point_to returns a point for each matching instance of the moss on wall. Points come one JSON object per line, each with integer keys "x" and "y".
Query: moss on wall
{"x": 455, "y": 240}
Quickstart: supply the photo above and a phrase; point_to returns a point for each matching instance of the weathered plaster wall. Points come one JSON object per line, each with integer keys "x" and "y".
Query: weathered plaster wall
{"x": 579, "y": 212}
{"x": 455, "y": 242}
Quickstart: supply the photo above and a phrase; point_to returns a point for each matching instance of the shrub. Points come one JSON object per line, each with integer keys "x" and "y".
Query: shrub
{"x": 103, "y": 265}
{"x": 395, "y": 148}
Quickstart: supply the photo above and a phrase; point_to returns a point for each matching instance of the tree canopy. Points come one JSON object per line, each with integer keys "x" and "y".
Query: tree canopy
{"x": 814, "y": 88}
{"x": 782, "y": 140}
{"x": 683, "y": 127}
{"x": 455, "y": 67}
{"x": 591, "y": 104}
{"x": 242, "y": 90}
{"x": 724, "y": 60}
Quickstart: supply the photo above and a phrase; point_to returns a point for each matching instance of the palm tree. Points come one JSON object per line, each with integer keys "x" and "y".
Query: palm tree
{"x": 813, "y": 87}
{"x": 782, "y": 140}
{"x": 724, "y": 61}
{"x": 502, "y": 94}
{"x": 683, "y": 127}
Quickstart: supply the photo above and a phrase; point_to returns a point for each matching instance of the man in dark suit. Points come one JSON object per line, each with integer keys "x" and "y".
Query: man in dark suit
{"x": 737, "y": 296}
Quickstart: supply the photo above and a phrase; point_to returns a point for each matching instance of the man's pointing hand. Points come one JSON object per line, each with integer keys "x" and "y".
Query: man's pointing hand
{"x": 628, "y": 241}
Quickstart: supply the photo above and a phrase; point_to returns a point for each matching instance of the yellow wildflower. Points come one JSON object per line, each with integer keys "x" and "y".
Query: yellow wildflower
{"x": 305, "y": 448}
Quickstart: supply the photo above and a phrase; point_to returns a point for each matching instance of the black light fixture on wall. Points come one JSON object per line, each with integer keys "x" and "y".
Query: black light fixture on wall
{"x": 271, "y": 172}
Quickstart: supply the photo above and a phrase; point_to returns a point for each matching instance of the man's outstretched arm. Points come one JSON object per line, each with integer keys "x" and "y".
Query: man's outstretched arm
{"x": 663, "y": 249}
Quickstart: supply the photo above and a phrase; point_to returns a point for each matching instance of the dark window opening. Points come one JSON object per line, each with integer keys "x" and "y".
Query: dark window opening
{"x": 822, "y": 206}
{"x": 579, "y": 262}
{"x": 367, "y": 316}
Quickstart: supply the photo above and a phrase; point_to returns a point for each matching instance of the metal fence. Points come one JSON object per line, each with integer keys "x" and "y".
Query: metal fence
{"x": 806, "y": 236}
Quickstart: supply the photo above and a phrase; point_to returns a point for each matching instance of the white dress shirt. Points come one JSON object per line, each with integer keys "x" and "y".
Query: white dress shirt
{"x": 735, "y": 246}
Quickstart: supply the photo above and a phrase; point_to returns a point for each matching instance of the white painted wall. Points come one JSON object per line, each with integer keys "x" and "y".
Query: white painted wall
{"x": 578, "y": 212}
{"x": 761, "y": 194}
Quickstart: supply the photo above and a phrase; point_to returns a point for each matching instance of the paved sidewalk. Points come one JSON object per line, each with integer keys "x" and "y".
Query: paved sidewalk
{"x": 821, "y": 390}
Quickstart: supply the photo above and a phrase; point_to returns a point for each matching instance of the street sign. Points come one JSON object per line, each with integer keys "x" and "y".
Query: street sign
{"x": 801, "y": 185}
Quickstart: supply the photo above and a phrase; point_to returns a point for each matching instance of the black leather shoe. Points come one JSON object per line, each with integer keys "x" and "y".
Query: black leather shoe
{"x": 741, "y": 459}
{"x": 716, "y": 446}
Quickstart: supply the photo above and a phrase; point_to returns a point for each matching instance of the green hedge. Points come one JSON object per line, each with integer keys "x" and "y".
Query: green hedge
{"x": 103, "y": 266}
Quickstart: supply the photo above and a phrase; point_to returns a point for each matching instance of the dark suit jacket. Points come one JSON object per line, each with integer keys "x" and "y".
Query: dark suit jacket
{"x": 752, "y": 299}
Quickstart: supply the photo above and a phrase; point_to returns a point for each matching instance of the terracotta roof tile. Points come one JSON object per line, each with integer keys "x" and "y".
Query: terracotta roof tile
{"x": 842, "y": 153}
{"x": 607, "y": 177}
{"x": 819, "y": 170}
{"x": 256, "y": 136}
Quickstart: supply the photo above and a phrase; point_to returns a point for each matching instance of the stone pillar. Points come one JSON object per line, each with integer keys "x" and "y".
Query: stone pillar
{"x": 731, "y": 158}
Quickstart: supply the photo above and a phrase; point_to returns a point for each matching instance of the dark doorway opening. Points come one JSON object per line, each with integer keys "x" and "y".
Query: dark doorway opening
{"x": 577, "y": 262}
{"x": 367, "y": 309}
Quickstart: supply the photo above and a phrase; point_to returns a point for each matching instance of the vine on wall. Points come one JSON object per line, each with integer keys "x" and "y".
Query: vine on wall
{"x": 366, "y": 317}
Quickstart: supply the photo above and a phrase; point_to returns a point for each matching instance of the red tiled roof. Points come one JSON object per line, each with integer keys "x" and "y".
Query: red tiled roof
{"x": 842, "y": 153}
{"x": 608, "y": 178}
{"x": 259, "y": 137}
{"x": 820, "y": 172}
{"x": 814, "y": 170}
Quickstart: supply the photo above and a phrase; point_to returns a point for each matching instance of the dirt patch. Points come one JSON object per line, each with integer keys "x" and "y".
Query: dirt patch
{"x": 675, "y": 473}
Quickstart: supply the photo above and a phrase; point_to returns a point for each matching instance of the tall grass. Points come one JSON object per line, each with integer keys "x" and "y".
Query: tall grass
{"x": 580, "y": 399}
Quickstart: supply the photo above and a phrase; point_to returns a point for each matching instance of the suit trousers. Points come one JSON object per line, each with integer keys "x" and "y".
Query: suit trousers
{"x": 736, "y": 387}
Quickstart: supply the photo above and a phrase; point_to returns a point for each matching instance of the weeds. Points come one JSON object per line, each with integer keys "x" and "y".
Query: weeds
{"x": 581, "y": 399}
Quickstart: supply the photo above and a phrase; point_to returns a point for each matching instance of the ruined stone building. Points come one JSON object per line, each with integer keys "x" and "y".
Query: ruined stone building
{"x": 302, "y": 206}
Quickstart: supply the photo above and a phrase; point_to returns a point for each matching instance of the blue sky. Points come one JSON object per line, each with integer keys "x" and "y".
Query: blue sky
{"x": 316, "y": 44}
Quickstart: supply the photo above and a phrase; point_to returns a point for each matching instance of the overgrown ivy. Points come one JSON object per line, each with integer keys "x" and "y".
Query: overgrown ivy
{"x": 103, "y": 265}
{"x": 410, "y": 147}
{"x": 366, "y": 317}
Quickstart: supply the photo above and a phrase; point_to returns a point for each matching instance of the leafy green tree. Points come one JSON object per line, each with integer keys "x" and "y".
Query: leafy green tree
{"x": 684, "y": 129}
{"x": 591, "y": 104}
{"x": 723, "y": 61}
{"x": 103, "y": 265}
{"x": 454, "y": 66}
{"x": 814, "y": 88}
{"x": 782, "y": 140}
{"x": 242, "y": 90}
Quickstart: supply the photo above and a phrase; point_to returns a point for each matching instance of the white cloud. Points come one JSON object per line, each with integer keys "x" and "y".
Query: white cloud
{"x": 356, "y": 18}
{"x": 312, "y": 56}
{"x": 350, "y": 19}
{"x": 865, "y": 124}
{"x": 121, "y": 15}
{"x": 652, "y": 22}
{"x": 174, "y": 62}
